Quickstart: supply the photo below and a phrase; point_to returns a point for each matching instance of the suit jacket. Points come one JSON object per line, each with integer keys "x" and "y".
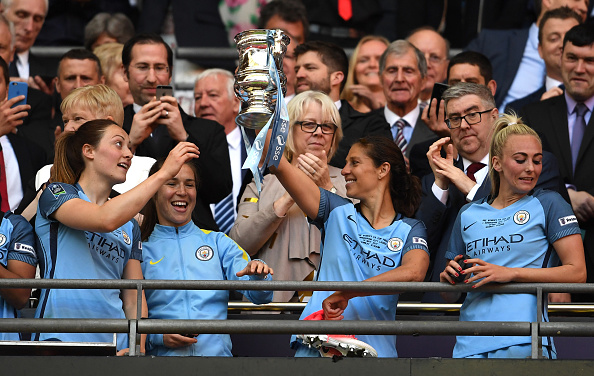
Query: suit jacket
{"x": 354, "y": 126}
{"x": 421, "y": 131}
{"x": 549, "y": 119}
{"x": 37, "y": 126}
{"x": 518, "y": 105}
{"x": 214, "y": 169}
{"x": 38, "y": 66}
{"x": 505, "y": 49}
{"x": 30, "y": 158}
{"x": 439, "y": 218}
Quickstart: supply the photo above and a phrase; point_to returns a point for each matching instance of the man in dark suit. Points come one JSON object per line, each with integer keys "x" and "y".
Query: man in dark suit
{"x": 517, "y": 68}
{"x": 216, "y": 100}
{"x": 551, "y": 31}
{"x": 156, "y": 125}
{"x": 323, "y": 66}
{"x": 566, "y": 127}
{"x": 28, "y": 17}
{"x": 19, "y": 158}
{"x": 457, "y": 180}
{"x": 403, "y": 71}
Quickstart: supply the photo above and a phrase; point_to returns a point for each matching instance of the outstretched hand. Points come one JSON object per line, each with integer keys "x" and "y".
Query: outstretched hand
{"x": 334, "y": 306}
{"x": 255, "y": 267}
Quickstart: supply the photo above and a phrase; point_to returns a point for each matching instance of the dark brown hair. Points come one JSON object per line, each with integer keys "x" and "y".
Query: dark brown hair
{"x": 405, "y": 188}
{"x": 150, "y": 209}
{"x": 69, "y": 162}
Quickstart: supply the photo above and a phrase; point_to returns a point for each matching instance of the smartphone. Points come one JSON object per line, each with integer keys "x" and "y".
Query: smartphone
{"x": 461, "y": 277}
{"x": 16, "y": 88}
{"x": 164, "y": 90}
{"x": 438, "y": 89}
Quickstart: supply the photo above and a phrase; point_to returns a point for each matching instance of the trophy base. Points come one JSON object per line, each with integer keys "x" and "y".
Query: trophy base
{"x": 255, "y": 118}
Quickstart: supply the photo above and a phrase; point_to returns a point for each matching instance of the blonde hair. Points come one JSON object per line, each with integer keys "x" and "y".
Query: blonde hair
{"x": 297, "y": 107}
{"x": 99, "y": 99}
{"x": 110, "y": 57}
{"x": 351, "y": 78}
{"x": 507, "y": 125}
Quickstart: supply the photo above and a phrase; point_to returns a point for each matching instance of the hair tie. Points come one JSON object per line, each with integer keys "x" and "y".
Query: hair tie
{"x": 511, "y": 123}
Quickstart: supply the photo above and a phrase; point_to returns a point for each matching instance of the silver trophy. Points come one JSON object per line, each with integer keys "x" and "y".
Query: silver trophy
{"x": 254, "y": 86}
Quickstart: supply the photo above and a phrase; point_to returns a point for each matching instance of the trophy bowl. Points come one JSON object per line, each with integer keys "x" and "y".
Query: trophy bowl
{"x": 254, "y": 86}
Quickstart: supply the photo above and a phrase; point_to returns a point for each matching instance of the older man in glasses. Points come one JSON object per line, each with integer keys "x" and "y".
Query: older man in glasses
{"x": 156, "y": 125}
{"x": 462, "y": 176}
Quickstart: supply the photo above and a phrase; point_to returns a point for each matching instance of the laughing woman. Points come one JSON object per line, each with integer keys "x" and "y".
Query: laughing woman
{"x": 354, "y": 237}
{"x": 537, "y": 229}
{"x": 84, "y": 235}
{"x": 175, "y": 248}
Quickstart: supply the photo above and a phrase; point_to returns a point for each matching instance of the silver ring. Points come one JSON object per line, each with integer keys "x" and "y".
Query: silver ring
{"x": 166, "y": 113}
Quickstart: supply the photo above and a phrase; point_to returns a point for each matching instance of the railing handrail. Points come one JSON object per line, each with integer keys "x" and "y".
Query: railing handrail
{"x": 136, "y": 326}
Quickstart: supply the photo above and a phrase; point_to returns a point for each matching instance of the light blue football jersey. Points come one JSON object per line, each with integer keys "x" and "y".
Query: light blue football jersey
{"x": 518, "y": 236}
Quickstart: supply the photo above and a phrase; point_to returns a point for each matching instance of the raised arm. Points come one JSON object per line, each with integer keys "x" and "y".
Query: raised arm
{"x": 83, "y": 215}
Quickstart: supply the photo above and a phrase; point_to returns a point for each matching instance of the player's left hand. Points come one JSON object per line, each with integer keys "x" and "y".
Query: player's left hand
{"x": 486, "y": 272}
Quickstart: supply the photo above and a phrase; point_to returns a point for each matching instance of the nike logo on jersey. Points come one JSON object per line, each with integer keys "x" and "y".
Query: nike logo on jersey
{"x": 467, "y": 227}
{"x": 350, "y": 218}
{"x": 156, "y": 262}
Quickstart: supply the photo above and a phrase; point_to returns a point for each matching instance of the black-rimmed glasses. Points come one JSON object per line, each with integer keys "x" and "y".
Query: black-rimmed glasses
{"x": 311, "y": 127}
{"x": 471, "y": 119}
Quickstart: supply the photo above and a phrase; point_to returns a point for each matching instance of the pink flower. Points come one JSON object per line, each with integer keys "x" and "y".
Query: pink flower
{"x": 235, "y": 3}
{"x": 238, "y": 28}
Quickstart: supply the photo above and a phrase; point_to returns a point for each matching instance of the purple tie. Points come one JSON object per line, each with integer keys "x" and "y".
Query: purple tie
{"x": 578, "y": 131}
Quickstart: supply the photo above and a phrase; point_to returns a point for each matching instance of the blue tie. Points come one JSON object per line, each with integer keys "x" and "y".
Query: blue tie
{"x": 224, "y": 214}
{"x": 578, "y": 131}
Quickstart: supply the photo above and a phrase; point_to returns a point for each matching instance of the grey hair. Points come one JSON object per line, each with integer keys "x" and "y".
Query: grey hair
{"x": 8, "y": 3}
{"x": 10, "y": 26}
{"x": 219, "y": 72}
{"x": 469, "y": 88}
{"x": 116, "y": 25}
{"x": 401, "y": 47}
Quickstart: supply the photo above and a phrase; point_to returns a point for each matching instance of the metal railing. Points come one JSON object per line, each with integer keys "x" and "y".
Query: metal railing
{"x": 137, "y": 326}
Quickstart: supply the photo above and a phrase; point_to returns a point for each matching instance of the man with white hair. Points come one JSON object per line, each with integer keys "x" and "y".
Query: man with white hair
{"x": 28, "y": 17}
{"x": 215, "y": 100}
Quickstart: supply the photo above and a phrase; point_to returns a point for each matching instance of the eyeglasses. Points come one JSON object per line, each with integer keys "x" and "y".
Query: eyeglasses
{"x": 311, "y": 127}
{"x": 159, "y": 69}
{"x": 471, "y": 119}
{"x": 434, "y": 59}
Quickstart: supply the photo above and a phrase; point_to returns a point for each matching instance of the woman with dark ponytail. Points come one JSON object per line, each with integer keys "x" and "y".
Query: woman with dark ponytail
{"x": 84, "y": 235}
{"x": 374, "y": 241}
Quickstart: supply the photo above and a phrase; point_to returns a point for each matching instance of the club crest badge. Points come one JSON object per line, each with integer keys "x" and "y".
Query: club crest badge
{"x": 126, "y": 238}
{"x": 395, "y": 244}
{"x": 521, "y": 217}
{"x": 204, "y": 253}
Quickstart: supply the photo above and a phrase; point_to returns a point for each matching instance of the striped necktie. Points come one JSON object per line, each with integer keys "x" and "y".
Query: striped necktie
{"x": 398, "y": 133}
{"x": 224, "y": 214}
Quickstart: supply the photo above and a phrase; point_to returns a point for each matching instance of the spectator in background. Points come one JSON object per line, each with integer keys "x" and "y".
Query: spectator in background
{"x": 20, "y": 158}
{"x": 403, "y": 71}
{"x": 291, "y": 17}
{"x": 552, "y": 28}
{"x": 110, "y": 56}
{"x": 437, "y": 53}
{"x": 216, "y": 100}
{"x": 324, "y": 66}
{"x": 105, "y": 28}
{"x": 78, "y": 67}
{"x": 36, "y": 125}
{"x": 156, "y": 125}
{"x": 28, "y": 17}
{"x": 363, "y": 88}
{"x": 269, "y": 225}
{"x": 517, "y": 67}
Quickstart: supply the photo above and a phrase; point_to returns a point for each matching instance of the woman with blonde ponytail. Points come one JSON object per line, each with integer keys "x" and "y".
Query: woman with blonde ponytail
{"x": 516, "y": 234}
